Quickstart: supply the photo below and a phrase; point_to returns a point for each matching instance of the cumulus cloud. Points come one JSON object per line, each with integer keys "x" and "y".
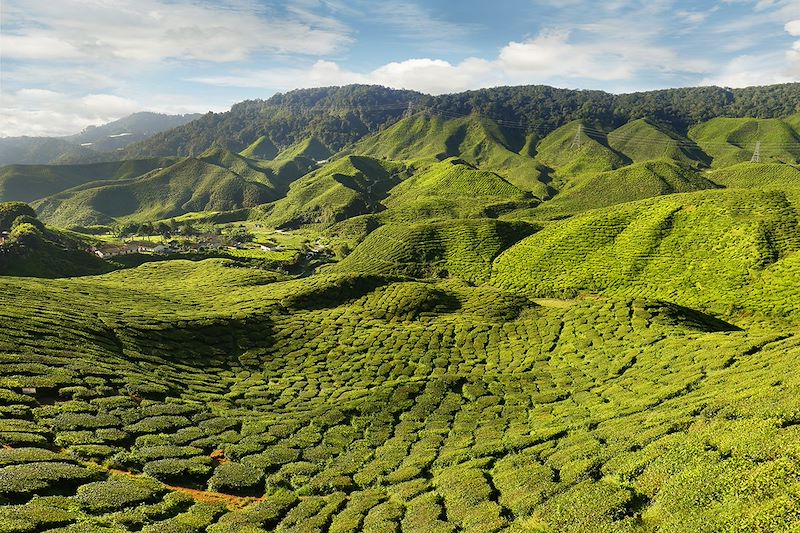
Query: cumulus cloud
{"x": 765, "y": 68}
{"x": 550, "y": 57}
{"x": 157, "y": 30}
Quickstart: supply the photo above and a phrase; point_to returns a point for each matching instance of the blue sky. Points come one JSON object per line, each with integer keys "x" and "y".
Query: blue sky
{"x": 67, "y": 64}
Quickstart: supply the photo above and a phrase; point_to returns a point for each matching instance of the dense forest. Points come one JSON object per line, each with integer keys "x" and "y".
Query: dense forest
{"x": 339, "y": 116}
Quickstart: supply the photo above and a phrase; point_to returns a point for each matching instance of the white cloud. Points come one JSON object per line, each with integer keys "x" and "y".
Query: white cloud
{"x": 551, "y": 57}
{"x": 766, "y": 68}
{"x": 157, "y": 30}
{"x": 41, "y": 112}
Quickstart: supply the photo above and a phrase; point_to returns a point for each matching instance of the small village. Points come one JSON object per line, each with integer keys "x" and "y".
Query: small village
{"x": 240, "y": 241}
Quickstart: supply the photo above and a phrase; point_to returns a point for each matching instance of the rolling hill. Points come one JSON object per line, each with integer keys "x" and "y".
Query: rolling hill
{"x": 716, "y": 250}
{"x": 642, "y": 140}
{"x": 575, "y": 149}
{"x": 627, "y": 184}
{"x": 341, "y": 116}
{"x": 582, "y": 315}
{"x": 202, "y": 184}
{"x": 95, "y": 143}
{"x": 27, "y": 183}
{"x": 347, "y": 187}
{"x": 217, "y": 180}
{"x": 29, "y": 248}
{"x": 458, "y": 248}
{"x": 481, "y": 142}
{"x": 733, "y": 140}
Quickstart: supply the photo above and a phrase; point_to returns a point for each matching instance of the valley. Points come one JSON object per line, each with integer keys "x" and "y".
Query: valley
{"x": 509, "y": 310}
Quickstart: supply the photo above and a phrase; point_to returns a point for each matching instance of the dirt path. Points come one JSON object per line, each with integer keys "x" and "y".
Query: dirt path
{"x": 204, "y": 496}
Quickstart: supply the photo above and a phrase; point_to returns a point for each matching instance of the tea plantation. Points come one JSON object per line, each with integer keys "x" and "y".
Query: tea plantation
{"x": 350, "y": 402}
{"x": 589, "y": 329}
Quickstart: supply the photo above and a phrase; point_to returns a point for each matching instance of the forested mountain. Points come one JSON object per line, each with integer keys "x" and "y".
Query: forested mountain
{"x": 340, "y": 116}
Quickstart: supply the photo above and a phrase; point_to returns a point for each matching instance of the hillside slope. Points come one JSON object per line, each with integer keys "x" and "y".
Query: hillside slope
{"x": 720, "y": 251}
{"x": 340, "y": 116}
{"x": 459, "y": 248}
{"x": 361, "y": 400}
{"x": 627, "y": 184}
{"x": 27, "y": 183}
{"x": 187, "y": 186}
{"x": 481, "y": 142}
{"x": 733, "y": 140}
{"x": 347, "y": 187}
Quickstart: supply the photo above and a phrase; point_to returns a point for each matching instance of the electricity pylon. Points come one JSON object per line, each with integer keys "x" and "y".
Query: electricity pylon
{"x": 756, "y": 153}
{"x": 576, "y": 141}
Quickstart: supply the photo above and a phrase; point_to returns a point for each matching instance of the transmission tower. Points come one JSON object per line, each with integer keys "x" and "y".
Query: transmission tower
{"x": 756, "y": 153}
{"x": 409, "y": 110}
{"x": 576, "y": 141}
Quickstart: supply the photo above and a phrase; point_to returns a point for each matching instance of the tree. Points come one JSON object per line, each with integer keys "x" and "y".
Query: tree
{"x": 145, "y": 229}
{"x": 27, "y": 219}
{"x": 163, "y": 230}
{"x": 187, "y": 229}
{"x": 26, "y": 234}
{"x": 9, "y": 211}
{"x": 239, "y": 234}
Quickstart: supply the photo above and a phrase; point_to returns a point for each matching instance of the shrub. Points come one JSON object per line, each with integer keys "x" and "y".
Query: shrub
{"x": 117, "y": 493}
{"x": 236, "y": 478}
{"x": 40, "y": 478}
{"x": 265, "y": 514}
{"x": 22, "y": 439}
{"x": 195, "y": 520}
{"x": 12, "y": 456}
{"x": 34, "y": 516}
{"x": 179, "y": 470}
{"x": 158, "y": 424}
{"x": 78, "y": 421}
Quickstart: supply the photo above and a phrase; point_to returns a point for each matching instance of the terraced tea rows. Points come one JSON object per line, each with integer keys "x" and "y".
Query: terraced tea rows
{"x": 362, "y": 403}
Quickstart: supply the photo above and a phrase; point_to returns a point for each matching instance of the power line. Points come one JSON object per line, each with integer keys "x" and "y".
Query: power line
{"x": 409, "y": 106}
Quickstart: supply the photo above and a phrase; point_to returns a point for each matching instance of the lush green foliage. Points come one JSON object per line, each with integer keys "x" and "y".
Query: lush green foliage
{"x": 32, "y": 182}
{"x": 10, "y": 211}
{"x": 374, "y": 403}
{"x": 463, "y": 249}
{"x": 617, "y": 353}
{"x": 339, "y": 116}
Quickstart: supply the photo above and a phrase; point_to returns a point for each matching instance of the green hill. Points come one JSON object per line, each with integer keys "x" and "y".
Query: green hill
{"x": 453, "y": 189}
{"x": 261, "y": 148}
{"x": 217, "y": 180}
{"x": 634, "y": 182}
{"x": 358, "y": 400}
{"x": 733, "y": 140}
{"x": 642, "y": 140}
{"x": 189, "y": 185}
{"x": 718, "y": 251}
{"x": 344, "y": 188}
{"x": 340, "y": 116}
{"x": 26, "y": 183}
{"x": 758, "y": 176}
{"x": 460, "y": 248}
{"x": 481, "y": 142}
{"x": 311, "y": 148}
{"x": 591, "y": 153}
{"x": 29, "y": 248}
{"x": 625, "y": 361}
